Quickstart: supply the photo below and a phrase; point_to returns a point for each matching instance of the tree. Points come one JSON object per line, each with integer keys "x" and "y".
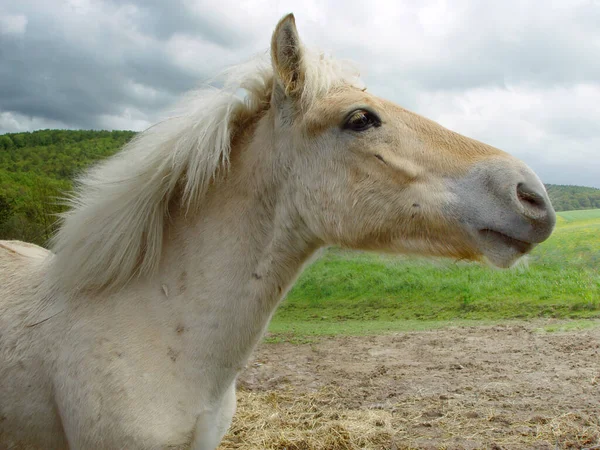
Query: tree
{"x": 6, "y": 210}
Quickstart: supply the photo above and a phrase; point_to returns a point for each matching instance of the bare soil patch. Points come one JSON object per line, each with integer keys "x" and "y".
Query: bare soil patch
{"x": 501, "y": 387}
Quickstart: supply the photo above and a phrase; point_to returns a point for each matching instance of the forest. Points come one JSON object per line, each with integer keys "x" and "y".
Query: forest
{"x": 37, "y": 169}
{"x": 570, "y": 198}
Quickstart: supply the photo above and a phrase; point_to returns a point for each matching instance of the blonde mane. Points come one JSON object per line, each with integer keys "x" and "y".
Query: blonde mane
{"x": 119, "y": 209}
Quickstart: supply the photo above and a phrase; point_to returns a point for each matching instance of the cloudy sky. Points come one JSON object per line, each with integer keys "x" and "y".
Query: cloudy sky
{"x": 522, "y": 75}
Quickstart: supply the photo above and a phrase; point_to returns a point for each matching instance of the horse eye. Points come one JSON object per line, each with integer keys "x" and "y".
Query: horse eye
{"x": 361, "y": 120}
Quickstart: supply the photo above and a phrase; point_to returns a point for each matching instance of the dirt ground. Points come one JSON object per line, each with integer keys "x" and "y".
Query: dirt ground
{"x": 501, "y": 387}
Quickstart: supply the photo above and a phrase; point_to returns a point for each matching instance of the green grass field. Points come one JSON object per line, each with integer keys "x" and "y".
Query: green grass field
{"x": 354, "y": 293}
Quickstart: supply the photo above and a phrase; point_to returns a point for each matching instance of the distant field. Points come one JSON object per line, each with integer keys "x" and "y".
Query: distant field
{"x": 582, "y": 214}
{"x": 354, "y": 293}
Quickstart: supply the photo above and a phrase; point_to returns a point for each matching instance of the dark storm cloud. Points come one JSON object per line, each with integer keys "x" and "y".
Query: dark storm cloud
{"x": 57, "y": 81}
{"x": 162, "y": 19}
{"x": 48, "y": 72}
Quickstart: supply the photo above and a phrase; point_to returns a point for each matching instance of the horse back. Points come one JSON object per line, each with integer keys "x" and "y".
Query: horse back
{"x": 18, "y": 249}
{"x": 22, "y": 269}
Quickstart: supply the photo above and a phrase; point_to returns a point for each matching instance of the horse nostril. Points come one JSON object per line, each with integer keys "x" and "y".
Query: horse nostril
{"x": 533, "y": 205}
{"x": 530, "y": 198}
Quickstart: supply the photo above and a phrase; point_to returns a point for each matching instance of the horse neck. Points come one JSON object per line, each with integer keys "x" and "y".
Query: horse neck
{"x": 228, "y": 268}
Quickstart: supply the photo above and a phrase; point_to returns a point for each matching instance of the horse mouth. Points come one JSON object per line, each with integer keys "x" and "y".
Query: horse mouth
{"x": 501, "y": 249}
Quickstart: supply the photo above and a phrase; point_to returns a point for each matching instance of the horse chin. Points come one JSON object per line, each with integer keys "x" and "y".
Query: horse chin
{"x": 502, "y": 250}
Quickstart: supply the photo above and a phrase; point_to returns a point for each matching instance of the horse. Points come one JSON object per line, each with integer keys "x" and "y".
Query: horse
{"x": 175, "y": 252}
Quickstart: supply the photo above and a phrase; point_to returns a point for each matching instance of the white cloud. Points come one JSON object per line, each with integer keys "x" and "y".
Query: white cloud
{"x": 13, "y": 24}
{"x": 198, "y": 56}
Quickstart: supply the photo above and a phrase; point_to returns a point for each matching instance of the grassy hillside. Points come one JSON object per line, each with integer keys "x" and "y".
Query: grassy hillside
{"x": 37, "y": 168}
{"x": 359, "y": 292}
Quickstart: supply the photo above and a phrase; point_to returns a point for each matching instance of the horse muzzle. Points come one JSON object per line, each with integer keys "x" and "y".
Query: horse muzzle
{"x": 505, "y": 209}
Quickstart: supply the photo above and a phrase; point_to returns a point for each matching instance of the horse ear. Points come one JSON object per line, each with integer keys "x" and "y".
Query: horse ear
{"x": 287, "y": 56}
